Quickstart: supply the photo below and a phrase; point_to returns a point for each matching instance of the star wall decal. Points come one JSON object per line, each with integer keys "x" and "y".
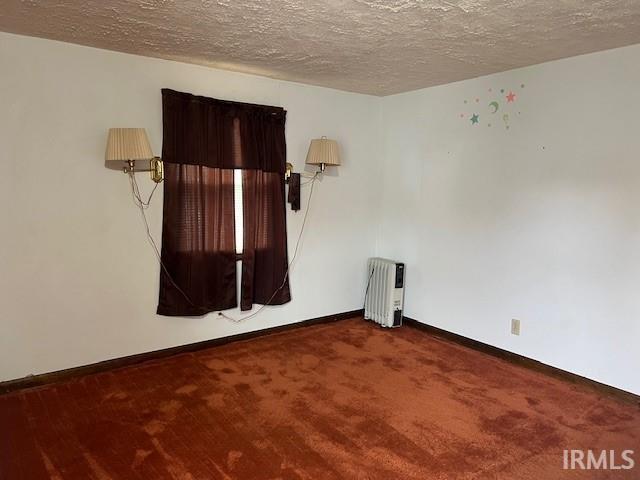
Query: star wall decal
{"x": 494, "y": 103}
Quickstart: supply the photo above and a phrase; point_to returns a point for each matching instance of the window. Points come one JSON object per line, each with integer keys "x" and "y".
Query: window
{"x": 215, "y": 194}
{"x": 238, "y": 213}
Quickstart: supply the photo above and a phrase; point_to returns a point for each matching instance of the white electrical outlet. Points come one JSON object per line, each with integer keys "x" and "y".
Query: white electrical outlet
{"x": 515, "y": 326}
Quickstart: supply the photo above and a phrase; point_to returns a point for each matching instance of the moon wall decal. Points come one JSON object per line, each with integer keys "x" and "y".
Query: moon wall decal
{"x": 495, "y": 106}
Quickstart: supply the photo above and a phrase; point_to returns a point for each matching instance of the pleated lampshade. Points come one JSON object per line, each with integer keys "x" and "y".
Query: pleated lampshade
{"x": 323, "y": 151}
{"x": 126, "y": 144}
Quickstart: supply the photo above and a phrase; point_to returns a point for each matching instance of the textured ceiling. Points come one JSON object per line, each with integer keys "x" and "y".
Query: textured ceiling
{"x": 369, "y": 46}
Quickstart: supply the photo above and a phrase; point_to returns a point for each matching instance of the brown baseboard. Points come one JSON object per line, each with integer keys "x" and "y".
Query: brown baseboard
{"x": 62, "y": 375}
{"x": 524, "y": 361}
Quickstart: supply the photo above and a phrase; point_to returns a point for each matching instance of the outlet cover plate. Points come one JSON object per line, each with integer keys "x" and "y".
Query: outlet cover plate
{"x": 515, "y": 326}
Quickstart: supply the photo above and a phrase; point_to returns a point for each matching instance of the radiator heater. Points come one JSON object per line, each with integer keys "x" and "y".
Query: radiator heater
{"x": 384, "y": 297}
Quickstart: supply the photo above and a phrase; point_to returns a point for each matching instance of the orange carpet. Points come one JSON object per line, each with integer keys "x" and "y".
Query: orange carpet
{"x": 346, "y": 400}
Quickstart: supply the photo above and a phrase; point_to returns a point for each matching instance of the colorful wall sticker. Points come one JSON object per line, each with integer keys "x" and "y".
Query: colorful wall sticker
{"x": 496, "y": 102}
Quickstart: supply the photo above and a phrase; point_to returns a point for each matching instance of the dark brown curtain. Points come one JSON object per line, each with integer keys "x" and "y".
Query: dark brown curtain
{"x": 198, "y": 241}
{"x": 204, "y": 140}
{"x": 264, "y": 261}
{"x": 221, "y": 134}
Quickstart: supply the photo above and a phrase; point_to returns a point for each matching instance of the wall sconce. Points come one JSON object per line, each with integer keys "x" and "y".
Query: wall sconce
{"x": 126, "y": 146}
{"x": 323, "y": 151}
{"x": 288, "y": 171}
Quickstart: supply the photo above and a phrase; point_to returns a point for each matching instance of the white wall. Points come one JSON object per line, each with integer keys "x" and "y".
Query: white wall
{"x": 78, "y": 280}
{"x": 540, "y": 222}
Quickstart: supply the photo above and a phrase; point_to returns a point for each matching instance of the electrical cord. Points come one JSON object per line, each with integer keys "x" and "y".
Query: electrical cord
{"x": 286, "y": 273}
{"x": 312, "y": 179}
{"x": 135, "y": 190}
{"x": 143, "y": 205}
